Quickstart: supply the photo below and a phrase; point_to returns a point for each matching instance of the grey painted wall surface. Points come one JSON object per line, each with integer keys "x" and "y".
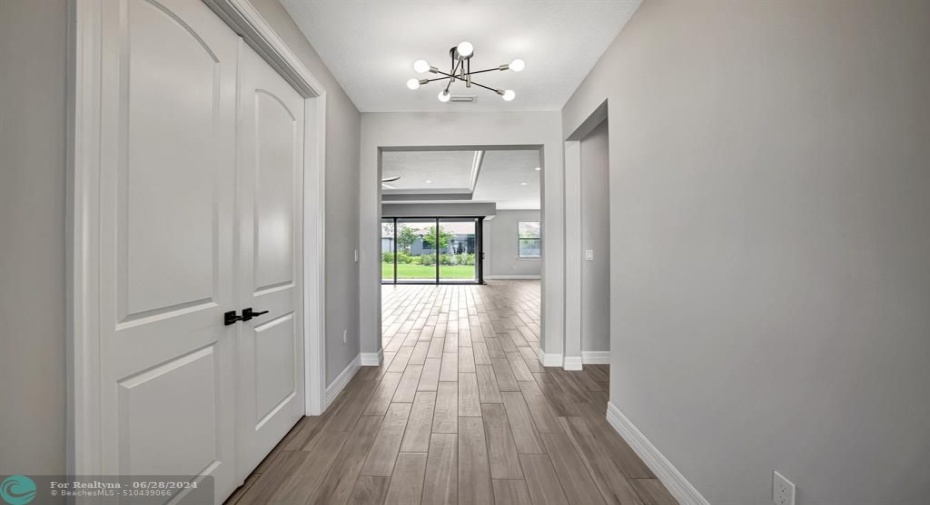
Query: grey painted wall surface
{"x": 500, "y": 245}
{"x": 769, "y": 174}
{"x": 455, "y": 209}
{"x": 33, "y": 42}
{"x": 33, "y": 56}
{"x": 463, "y": 129}
{"x": 343, "y": 123}
{"x": 595, "y": 236}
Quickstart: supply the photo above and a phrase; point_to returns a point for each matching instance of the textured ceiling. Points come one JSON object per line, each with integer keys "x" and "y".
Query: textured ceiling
{"x": 370, "y": 47}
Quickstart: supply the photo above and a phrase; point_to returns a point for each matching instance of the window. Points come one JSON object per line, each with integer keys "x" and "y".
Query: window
{"x": 530, "y": 240}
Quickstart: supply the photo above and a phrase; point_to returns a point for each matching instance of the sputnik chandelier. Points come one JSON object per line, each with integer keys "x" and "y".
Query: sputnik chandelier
{"x": 460, "y": 70}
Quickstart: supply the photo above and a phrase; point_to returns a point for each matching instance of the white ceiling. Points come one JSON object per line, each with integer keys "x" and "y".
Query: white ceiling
{"x": 502, "y": 178}
{"x": 370, "y": 47}
{"x": 508, "y": 178}
{"x": 430, "y": 170}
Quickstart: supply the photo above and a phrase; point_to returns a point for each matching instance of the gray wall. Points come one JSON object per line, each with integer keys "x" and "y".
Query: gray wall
{"x": 439, "y": 209}
{"x": 33, "y": 56}
{"x": 343, "y": 123}
{"x": 595, "y": 236}
{"x": 500, "y": 245}
{"x": 769, "y": 179}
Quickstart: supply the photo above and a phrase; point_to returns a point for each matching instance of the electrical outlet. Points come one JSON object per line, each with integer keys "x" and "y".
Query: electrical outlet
{"x": 345, "y": 336}
{"x": 356, "y": 255}
{"x": 782, "y": 490}
{"x": 589, "y": 255}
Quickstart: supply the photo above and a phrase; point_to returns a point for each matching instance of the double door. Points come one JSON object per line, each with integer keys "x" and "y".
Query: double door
{"x": 201, "y": 203}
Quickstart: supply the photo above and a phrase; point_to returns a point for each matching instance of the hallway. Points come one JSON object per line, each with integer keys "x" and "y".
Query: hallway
{"x": 460, "y": 412}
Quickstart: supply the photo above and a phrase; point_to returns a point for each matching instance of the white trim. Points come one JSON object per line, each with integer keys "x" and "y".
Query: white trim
{"x": 511, "y": 277}
{"x": 595, "y": 357}
{"x": 83, "y": 435}
{"x": 314, "y": 255}
{"x": 549, "y": 360}
{"x": 82, "y": 329}
{"x": 373, "y": 358}
{"x": 677, "y": 484}
{"x": 333, "y": 390}
{"x": 246, "y": 21}
{"x": 572, "y": 363}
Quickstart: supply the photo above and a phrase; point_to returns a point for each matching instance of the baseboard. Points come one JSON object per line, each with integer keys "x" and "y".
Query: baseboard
{"x": 595, "y": 357}
{"x": 511, "y": 277}
{"x": 572, "y": 363}
{"x": 549, "y": 359}
{"x": 372, "y": 358}
{"x": 674, "y": 481}
{"x": 333, "y": 390}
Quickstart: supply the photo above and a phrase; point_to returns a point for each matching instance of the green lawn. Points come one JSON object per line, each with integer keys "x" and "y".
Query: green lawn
{"x": 409, "y": 271}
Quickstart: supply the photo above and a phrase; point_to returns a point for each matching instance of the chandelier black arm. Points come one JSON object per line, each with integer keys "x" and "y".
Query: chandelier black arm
{"x": 440, "y": 72}
{"x": 485, "y": 87}
{"x": 495, "y": 69}
{"x": 452, "y": 77}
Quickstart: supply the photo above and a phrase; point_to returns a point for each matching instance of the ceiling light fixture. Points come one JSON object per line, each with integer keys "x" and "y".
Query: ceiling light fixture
{"x": 538, "y": 169}
{"x": 460, "y": 70}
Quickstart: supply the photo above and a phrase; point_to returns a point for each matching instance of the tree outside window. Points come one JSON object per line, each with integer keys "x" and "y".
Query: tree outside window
{"x": 429, "y": 239}
{"x": 405, "y": 239}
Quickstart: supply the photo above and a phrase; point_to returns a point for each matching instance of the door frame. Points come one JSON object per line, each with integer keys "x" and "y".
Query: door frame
{"x": 84, "y": 80}
{"x": 574, "y": 255}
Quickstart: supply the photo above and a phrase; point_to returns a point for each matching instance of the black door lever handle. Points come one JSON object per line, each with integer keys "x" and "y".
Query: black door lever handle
{"x": 248, "y": 313}
{"x": 231, "y": 318}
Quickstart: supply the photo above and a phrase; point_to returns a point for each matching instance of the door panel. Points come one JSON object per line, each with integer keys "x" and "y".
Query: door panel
{"x": 274, "y": 384}
{"x": 166, "y": 206}
{"x": 416, "y": 250}
{"x": 271, "y": 151}
{"x": 458, "y": 250}
{"x": 275, "y": 171}
{"x": 187, "y": 384}
{"x": 166, "y": 239}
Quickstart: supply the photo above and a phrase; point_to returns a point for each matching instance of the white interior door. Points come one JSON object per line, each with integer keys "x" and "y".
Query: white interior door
{"x": 166, "y": 240}
{"x": 271, "y": 365}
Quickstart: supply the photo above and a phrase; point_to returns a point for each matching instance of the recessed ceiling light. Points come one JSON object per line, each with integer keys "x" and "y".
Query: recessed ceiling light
{"x": 538, "y": 169}
{"x": 523, "y": 184}
{"x": 429, "y": 181}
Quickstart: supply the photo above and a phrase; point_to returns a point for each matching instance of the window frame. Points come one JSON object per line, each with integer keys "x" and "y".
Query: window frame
{"x": 537, "y": 239}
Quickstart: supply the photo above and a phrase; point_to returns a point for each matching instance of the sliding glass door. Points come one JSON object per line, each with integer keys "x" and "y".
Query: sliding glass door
{"x": 415, "y": 255}
{"x": 458, "y": 255}
{"x": 431, "y": 250}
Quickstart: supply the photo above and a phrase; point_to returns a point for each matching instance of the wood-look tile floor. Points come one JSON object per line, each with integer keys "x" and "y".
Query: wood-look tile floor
{"x": 462, "y": 413}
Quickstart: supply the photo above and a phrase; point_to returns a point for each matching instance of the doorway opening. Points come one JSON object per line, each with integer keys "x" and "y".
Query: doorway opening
{"x": 587, "y": 265}
{"x": 460, "y": 227}
{"x": 432, "y": 250}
